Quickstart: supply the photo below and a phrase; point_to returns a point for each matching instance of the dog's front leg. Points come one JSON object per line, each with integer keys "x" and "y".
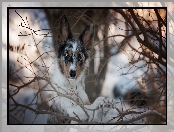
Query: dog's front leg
{"x": 101, "y": 111}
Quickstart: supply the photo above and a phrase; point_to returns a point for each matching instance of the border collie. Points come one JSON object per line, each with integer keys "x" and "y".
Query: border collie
{"x": 68, "y": 81}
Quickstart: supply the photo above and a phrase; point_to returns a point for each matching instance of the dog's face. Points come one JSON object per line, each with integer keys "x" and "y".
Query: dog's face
{"x": 72, "y": 58}
{"x": 73, "y": 53}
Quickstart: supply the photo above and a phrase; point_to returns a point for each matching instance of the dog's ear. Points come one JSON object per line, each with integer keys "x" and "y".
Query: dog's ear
{"x": 87, "y": 36}
{"x": 64, "y": 31}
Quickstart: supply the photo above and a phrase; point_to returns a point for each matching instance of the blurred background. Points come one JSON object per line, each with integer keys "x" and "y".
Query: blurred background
{"x": 127, "y": 62}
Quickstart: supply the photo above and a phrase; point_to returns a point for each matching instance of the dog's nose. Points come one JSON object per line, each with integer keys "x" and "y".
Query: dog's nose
{"x": 72, "y": 73}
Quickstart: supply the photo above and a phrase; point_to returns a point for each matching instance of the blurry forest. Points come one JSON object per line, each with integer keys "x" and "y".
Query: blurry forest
{"x": 127, "y": 61}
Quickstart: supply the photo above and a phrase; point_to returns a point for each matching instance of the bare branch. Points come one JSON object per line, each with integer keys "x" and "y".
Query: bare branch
{"x": 145, "y": 42}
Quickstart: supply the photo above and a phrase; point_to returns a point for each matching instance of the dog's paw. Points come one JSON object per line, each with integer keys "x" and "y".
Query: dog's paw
{"x": 103, "y": 110}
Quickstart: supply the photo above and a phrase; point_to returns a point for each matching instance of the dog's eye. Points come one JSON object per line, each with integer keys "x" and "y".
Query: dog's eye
{"x": 67, "y": 56}
{"x": 79, "y": 57}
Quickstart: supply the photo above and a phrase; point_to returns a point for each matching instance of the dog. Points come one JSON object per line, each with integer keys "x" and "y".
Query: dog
{"x": 72, "y": 58}
{"x": 71, "y": 63}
